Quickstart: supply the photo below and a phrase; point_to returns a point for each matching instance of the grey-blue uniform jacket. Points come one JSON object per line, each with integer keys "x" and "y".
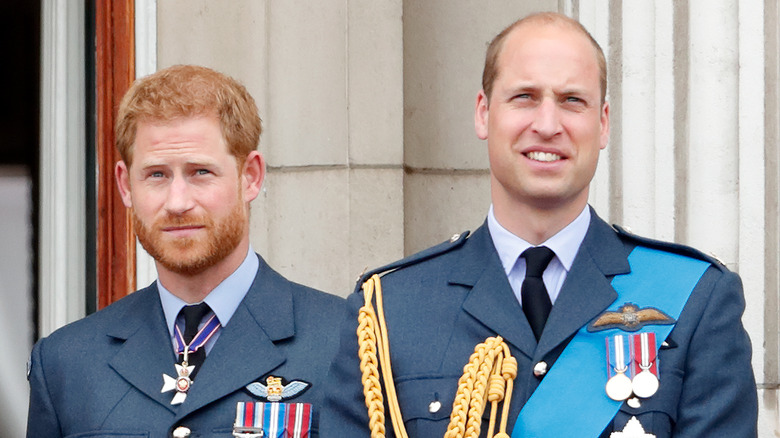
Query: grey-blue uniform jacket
{"x": 444, "y": 301}
{"x": 102, "y": 376}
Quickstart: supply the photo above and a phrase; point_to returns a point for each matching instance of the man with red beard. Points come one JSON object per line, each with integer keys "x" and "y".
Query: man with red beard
{"x": 220, "y": 337}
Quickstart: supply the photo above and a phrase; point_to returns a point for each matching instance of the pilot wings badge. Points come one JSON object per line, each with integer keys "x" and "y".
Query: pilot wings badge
{"x": 629, "y": 317}
{"x": 275, "y": 391}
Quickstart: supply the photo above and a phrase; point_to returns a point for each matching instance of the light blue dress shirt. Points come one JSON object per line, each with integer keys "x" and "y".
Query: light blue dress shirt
{"x": 223, "y": 300}
{"x": 564, "y": 244}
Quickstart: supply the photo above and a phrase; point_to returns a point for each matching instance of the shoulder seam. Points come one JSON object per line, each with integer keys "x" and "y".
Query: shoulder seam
{"x": 674, "y": 247}
{"x": 456, "y": 241}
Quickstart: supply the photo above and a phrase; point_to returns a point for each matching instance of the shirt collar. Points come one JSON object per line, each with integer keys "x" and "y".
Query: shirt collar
{"x": 223, "y": 300}
{"x": 564, "y": 243}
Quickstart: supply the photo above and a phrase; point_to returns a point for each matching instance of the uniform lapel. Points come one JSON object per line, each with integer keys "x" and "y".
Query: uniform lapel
{"x": 147, "y": 351}
{"x": 585, "y": 293}
{"x": 491, "y": 300}
{"x": 587, "y": 290}
{"x": 245, "y": 350}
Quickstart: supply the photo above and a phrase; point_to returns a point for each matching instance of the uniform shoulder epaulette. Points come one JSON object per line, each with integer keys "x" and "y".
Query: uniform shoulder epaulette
{"x": 672, "y": 247}
{"x": 456, "y": 241}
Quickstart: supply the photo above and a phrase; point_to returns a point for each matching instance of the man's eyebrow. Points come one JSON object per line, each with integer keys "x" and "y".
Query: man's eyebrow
{"x": 573, "y": 90}
{"x": 150, "y": 164}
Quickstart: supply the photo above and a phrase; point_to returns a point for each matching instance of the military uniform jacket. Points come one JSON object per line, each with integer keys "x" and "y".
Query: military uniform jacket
{"x": 441, "y": 303}
{"x": 101, "y": 376}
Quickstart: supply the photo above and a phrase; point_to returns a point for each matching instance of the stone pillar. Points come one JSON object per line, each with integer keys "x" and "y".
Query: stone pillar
{"x": 694, "y": 144}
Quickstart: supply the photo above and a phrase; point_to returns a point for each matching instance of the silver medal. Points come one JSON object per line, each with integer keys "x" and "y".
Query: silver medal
{"x": 645, "y": 384}
{"x": 619, "y": 387}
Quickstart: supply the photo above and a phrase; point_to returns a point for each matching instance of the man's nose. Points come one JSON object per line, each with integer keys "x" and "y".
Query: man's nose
{"x": 180, "y": 199}
{"x": 547, "y": 121}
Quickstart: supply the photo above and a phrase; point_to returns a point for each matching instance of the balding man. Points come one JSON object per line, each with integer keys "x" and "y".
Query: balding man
{"x": 570, "y": 327}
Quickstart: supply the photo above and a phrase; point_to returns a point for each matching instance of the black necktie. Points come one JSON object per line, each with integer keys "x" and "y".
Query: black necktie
{"x": 536, "y": 300}
{"x": 192, "y": 317}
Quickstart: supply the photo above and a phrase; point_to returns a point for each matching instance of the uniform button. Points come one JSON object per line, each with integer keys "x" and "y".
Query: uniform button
{"x": 434, "y": 406}
{"x": 540, "y": 369}
{"x": 634, "y": 402}
{"x": 181, "y": 432}
{"x": 454, "y": 238}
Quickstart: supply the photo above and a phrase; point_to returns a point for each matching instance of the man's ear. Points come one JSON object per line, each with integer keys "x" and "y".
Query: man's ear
{"x": 604, "y": 125}
{"x": 481, "y": 115}
{"x": 252, "y": 175}
{"x": 122, "y": 174}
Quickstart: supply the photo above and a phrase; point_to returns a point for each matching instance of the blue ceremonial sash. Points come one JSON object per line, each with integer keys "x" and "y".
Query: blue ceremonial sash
{"x": 571, "y": 400}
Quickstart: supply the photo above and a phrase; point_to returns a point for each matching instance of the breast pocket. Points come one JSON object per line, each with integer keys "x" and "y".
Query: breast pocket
{"x": 109, "y": 434}
{"x": 426, "y": 403}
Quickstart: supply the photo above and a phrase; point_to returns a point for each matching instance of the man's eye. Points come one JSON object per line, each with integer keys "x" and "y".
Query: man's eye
{"x": 156, "y": 175}
{"x": 202, "y": 172}
{"x": 574, "y": 99}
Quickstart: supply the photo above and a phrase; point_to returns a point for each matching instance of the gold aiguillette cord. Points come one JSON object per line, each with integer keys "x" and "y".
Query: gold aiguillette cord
{"x": 490, "y": 374}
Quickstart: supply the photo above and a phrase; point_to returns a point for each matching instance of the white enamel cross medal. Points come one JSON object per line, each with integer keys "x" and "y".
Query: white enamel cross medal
{"x": 183, "y": 380}
{"x": 181, "y": 384}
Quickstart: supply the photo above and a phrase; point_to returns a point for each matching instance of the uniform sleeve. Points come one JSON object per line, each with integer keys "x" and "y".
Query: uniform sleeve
{"x": 344, "y": 413}
{"x": 42, "y": 419}
{"x": 718, "y": 396}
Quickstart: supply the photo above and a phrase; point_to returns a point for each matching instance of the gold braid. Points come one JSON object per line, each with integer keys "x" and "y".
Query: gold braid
{"x": 490, "y": 374}
{"x": 369, "y": 367}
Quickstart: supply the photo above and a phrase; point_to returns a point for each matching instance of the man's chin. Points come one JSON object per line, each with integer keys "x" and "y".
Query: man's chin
{"x": 182, "y": 266}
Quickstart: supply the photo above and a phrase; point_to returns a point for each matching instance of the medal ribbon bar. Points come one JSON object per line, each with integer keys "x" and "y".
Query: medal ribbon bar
{"x": 618, "y": 350}
{"x": 644, "y": 353}
{"x": 272, "y": 419}
{"x": 298, "y": 421}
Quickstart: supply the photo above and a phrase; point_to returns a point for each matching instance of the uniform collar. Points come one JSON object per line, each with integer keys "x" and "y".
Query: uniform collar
{"x": 223, "y": 300}
{"x": 564, "y": 243}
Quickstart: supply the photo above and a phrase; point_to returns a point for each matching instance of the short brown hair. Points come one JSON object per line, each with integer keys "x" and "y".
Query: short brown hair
{"x": 187, "y": 91}
{"x": 490, "y": 72}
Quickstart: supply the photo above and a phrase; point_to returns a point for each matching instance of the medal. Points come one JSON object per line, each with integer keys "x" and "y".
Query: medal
{"x": 619, "y": 387}
{"x": 645, "y": 382}
{"x": 249, "y": 420}
{"x": 298, "y": 420}
{"x": 272, "y": 419}
{"x": 618, "y": 384}
{"x": 183, "y": 382}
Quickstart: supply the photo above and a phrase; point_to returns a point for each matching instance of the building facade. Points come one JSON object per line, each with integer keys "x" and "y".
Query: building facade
{"x": 368, "y": 133}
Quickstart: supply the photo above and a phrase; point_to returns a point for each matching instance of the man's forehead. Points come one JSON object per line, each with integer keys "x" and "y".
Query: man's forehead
{"x": 198, "y": 139}
{"x": 547, "y": 40}
{"x": 537, "y": 32}
{"x": 172, "y": 119}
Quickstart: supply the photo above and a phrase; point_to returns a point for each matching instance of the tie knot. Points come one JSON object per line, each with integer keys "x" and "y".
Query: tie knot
{"x": 536, "y": 260}
{"x": 192, "y": 317}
